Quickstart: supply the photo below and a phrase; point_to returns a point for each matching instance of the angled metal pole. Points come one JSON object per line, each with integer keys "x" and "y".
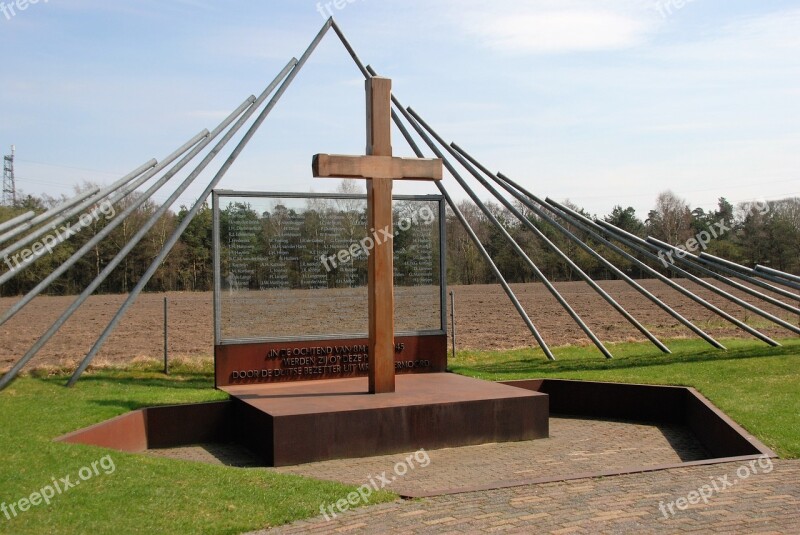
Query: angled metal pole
{"x": 481, "y": 249}
{"x": 19, "y": 305}
{"x": 693, "y": 261}
{"x": 761, "y": 270}
{"x": 526, "y": 197}
{"x": 243, "y": 113}
{"x": 600, "y": 239}
{"x": 467, "y": 162}
{"x": 571, "y": 215}
{"x": 178, "y": 232}
{"x": 643, "y": 247}
{"x": 691, "y": 326}
{"x": 7, "y": 378}
{"x": 71, "y": 211}
{"x": 474, "y": 237}
{"x": 49, "y": 214}
{"x": 778, "y": 273}
{"x": 19, "y": 220}
{"x": 350, "y": 50}
{"x": 421, "y": 126}
{"x": 728, "y": 266}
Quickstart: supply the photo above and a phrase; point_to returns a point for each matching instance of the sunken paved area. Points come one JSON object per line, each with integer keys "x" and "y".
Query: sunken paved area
{"x": 575, "y": 446}
{"x": 761, "y": 503}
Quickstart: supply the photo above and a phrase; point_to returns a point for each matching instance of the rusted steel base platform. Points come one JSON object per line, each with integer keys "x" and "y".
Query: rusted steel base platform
{"x": 294, "y": 423}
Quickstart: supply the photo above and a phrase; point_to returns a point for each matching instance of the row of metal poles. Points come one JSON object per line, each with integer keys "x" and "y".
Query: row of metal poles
{"x": 550, "y": 212}
{"x": 33, "y": 227}
{"x": 121, "y": 189}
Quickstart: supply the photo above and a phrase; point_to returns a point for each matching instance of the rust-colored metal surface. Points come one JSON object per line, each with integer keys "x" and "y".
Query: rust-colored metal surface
{"x": 336, "y": 418}
{"x": 159, "y": 427}
{"x": 280, "y": 362}
{"x": 720, "y": 435}
{"x": 124, "y": 433}
{"x": 284, "y": 423}
{"x": 663, "y": 404}
{"x": 178, "y": 425}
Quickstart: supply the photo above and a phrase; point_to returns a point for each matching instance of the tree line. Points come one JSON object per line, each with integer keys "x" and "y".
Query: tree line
{"x": 766, "y": 233}
{"x": 750, "y": 234}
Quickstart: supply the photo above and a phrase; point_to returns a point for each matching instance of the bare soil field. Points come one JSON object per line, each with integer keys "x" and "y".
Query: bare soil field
{"x": 485, "y": 319}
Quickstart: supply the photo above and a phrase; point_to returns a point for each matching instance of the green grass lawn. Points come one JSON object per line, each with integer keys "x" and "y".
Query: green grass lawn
{"x": 758, "y": 386}
{"x": 143, "y": 494}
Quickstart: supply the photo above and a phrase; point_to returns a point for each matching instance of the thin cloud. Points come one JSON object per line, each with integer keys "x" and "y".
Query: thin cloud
{"x": 545, "y": 27}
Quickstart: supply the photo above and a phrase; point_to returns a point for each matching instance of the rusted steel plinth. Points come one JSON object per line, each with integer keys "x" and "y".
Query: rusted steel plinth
{"x": 296, "y": 423}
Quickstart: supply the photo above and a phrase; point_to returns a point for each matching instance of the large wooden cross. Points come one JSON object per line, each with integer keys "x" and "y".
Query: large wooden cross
{"x": 380, "y": 169}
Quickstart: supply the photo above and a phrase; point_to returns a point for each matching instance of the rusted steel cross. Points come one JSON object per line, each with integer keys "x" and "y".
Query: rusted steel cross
{"x": 380, "y": 169}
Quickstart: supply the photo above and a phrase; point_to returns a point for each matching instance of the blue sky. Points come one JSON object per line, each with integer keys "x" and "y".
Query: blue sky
{"x": 602, "y": 102}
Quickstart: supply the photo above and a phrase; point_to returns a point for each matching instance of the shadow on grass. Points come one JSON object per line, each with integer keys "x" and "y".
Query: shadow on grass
{"x": 148, "y": 380}
{"x": 536, "y": 366}
{"x": 126, "y": 406}
{"x": 131, "y": 405}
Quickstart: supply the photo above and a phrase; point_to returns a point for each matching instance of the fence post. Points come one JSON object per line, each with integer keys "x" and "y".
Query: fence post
{"x": 453, "y": 320}
{"x": 166, "y": 339}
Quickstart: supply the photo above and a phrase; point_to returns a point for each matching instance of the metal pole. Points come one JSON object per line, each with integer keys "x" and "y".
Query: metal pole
{"x": 20, "y": 219}
{"x": 474, "y": 237}
{"x": 638, "y": 244}
{"x": 519, "y": 192}
{"x": 52, "y": 212}
{"x": 572, "y": 215}
{"x": 368, "y": 71}
{"x": 135, "y": 177}
{"x": 507, "y": 289}
{"x": 19, "y": 305}
{"x": 724, "y": 267}
{"x": 350, "y": 49}
{"x": 460, "y": 156}
{"x": 664, "y": 246}
{"x": 453, "y": 320}
{"x": 779, "y": 274}
{"x": 166, "y": 339}
{"x": 288, "y": 75}
{"x": 418, "y": 123}
{"x": 720, "y": 263}
{"x": 246, "y": 106}
{"x": 63, "y": 235}
{"x": 215, "y": 238}
{"x": 175, "y": 235}
{"x": 481, "y": 249}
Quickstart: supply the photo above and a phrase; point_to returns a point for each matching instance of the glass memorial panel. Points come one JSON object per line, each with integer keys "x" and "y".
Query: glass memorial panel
{"x": 296, "y": 267}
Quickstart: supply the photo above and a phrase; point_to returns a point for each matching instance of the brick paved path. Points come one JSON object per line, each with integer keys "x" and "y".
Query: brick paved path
{"x": 761, "y": 503}
{"x": 575, "y": 446}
